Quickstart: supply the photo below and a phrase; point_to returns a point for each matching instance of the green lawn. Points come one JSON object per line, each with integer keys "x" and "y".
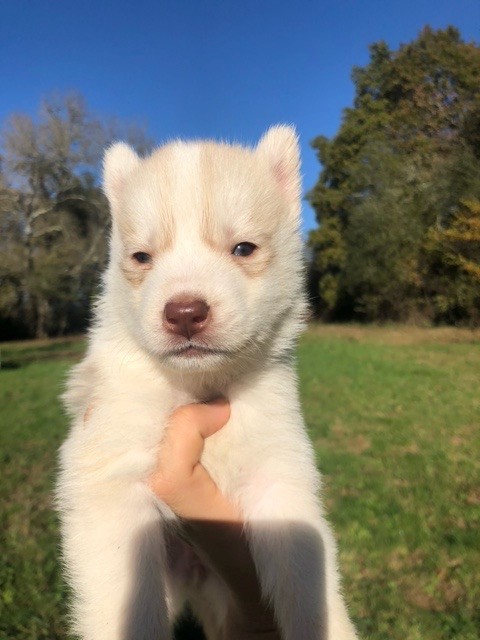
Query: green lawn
{"x": 394, "y": 415}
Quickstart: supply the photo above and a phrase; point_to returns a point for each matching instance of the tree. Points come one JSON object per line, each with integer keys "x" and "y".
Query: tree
{"x": 383, "y": 237}
{"x": 454, "y": 265}
{"x": 404, "y": 158}
{"x": 328, "y": 247}
{"x": 53, "y": 215}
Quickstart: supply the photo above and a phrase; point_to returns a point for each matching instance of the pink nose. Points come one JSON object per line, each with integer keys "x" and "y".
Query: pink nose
{"x": 186, "y": 317}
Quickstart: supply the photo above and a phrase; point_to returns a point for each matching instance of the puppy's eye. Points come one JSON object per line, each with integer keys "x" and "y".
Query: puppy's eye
{"x": 244, "y": 249}
{"x": 142, "y": 258}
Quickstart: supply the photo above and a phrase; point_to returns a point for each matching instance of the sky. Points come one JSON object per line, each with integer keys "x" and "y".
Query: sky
{"x": 202, "y": 68}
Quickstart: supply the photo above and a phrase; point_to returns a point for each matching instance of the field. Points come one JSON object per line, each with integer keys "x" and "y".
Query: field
{"x": 394, "y": 414}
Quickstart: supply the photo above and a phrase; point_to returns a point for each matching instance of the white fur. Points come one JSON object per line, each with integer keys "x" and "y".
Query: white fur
{"x": 187, "y": 205}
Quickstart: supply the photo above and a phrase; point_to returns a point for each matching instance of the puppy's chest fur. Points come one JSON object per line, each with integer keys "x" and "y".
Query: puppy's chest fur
{"x": 129, "y": 414}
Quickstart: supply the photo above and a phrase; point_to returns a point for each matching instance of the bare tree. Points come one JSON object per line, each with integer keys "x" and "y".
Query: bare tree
{"x": 53, "y": 216}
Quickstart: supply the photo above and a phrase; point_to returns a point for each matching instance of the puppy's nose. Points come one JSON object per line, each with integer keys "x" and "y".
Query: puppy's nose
{"x": 186, "y": 317}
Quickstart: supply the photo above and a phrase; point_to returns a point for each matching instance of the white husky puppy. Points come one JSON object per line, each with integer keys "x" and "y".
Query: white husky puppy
{"x": 203, "y": 296}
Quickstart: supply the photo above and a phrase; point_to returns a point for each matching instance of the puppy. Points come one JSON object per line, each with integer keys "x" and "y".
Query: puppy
{"x": 203, "y": 296}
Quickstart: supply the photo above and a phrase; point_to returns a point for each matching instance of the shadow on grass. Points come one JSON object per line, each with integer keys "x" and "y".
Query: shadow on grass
{"x": 9, "y": 364}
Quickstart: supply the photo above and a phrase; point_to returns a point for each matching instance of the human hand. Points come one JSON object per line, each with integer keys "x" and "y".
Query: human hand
{"x": 180, "y": 480}
{"x": 212, "y": 523}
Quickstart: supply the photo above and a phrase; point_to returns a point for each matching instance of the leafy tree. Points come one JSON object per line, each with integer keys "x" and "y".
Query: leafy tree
{"x": 383, "y": 237}
{"x": 328, "y": 248}
{"x": 53, "y": 216}
{"x": 454, "y": 265}
{"x": 407, "y": 153}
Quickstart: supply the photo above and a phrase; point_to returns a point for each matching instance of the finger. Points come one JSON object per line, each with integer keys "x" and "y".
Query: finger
{"x": 205, "y": 418}
{"x": 87, "y": 414}
{"x": 188, "y": 428}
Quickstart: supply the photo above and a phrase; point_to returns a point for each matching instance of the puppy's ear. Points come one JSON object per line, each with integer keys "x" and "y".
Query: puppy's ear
{"x": 279, "y": 146}
{"x": 119, "y": 161}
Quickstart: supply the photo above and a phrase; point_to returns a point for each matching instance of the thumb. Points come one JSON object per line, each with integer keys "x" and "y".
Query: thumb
{"x": 189, "y": 426}
{"x": 215, "y": 417}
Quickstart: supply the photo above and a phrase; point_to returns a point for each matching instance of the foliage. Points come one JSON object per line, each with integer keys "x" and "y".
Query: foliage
{"x": 53, "y": 216}
{"x": 453, "y": 254}
{"x": 393, "y": 416}
{"x": 406, "y": 155}
{"x": 329, "y": 260}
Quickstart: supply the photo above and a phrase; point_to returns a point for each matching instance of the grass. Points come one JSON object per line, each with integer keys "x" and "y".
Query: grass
{"x": 394, "y": 416}
{"x": 32, "y": 600}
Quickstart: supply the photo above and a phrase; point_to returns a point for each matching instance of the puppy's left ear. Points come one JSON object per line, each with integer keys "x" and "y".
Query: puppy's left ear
{"x": 279, "y": 146}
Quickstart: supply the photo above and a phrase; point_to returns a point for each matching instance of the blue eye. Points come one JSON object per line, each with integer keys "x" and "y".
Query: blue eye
{"x": 142, "y": 258}
{"x": 244, "y": 249}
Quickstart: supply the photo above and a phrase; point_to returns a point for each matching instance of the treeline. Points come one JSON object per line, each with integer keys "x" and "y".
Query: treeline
{"x": 397, "y": 200}
{"x": 53, "y": 216}
{"x": 398, "y": 197}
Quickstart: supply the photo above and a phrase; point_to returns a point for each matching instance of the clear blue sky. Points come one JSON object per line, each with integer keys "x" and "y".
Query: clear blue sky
{"x": 223, "y": 69}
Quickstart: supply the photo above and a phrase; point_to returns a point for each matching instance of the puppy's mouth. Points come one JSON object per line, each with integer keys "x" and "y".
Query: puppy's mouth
{"x": 194, "y": 350}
